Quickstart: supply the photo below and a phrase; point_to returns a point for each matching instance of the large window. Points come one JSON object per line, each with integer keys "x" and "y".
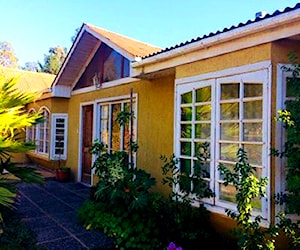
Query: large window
{"x": 42, "y": 135}
{"x": 107, "y": 65}
{"x": 228, "y": 113}
{"x": 115, "y": 136}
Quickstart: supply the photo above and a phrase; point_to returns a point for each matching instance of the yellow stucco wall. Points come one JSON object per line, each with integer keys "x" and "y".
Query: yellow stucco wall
{"x": 154, "y": 126}
{"x": 230, "y": 60}
{"x": 54, "y": 105}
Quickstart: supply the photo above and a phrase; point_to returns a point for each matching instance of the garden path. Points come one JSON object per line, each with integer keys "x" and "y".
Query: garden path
{"x": 50, "y": 211}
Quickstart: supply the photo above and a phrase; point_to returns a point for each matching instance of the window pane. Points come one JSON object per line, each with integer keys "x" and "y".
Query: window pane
{"x": 230, "y": 131}
{"x": 104, "y": 124}
{"x": 186, "y": 113}
{"x": 186, "y": 130}
{"x": 227, "y": 193}
{"x": 185, "y": 148}
{"x": 253, "y": 110}
{"x": 230, "y": 91}
{"x": 229, "y": 111}
{"x": 112, "y": 67}
{"x": 200, "y": 150}
{"x": 203, "y": 113}
{"x": 187, "y": 97}
{"x": 125, "y": 67}
{"x": 203, "y": 94}
{"x": 126, "y": 135}
{"x": 253, "y": 89}
{"x": 229, "y": 167}
{"x": 202, "y": 169}
{"x": 202, "y": 131}
{"x": 291, "y": 88}
{"x": 228, "y": 152}
{"x": 185, "y": 166}
{"x": 199, "y": 184}
{"x": 252, "y": 132}
{"x": 254, "y": 153}
{"x": 258, "y": 172}
{"x": 115, "y": 136}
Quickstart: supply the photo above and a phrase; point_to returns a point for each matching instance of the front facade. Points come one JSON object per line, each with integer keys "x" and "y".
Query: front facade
{"x": 223, "y": 89}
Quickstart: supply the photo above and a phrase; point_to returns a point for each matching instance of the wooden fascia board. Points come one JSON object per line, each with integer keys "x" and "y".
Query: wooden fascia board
{"x": 86, "y": 63}
{"x": 69, "y": 56}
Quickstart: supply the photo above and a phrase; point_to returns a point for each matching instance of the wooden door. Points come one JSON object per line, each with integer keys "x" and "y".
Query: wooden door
{"x": 87, "y": 137}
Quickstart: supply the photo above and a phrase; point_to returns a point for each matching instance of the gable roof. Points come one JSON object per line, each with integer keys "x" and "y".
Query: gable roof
{"x": 132, "y": 46}
{"x": 233, "y": 27}
{"x": 86, "y": 44}
{"x": 29, "y": 81}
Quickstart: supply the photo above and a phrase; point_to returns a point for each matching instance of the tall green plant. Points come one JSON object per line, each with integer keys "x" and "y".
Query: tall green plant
{"x": 180, "y": 182}
{"x": 248, "y": 187}
{"x": 185, "y": 224}
{"x": 290, "y": 119}
{"x": 13, "y": 122}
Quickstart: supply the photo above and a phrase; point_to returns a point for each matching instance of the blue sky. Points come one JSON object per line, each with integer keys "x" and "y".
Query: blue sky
{"x": 33, "y": 26}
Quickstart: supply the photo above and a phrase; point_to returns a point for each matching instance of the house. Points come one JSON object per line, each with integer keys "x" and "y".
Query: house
{"x": 36, "y": 82}
{"x": 223, "y": 88}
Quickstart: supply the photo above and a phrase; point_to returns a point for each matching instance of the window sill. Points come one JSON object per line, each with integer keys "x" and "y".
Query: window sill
{"x": 41, "y": 156}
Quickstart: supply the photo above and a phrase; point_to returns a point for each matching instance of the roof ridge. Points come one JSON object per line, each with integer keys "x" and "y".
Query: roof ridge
{"x": 121, "y": 35}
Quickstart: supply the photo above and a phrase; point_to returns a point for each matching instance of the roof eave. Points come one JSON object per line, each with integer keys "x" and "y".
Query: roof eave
{"x": 265, "y": 24}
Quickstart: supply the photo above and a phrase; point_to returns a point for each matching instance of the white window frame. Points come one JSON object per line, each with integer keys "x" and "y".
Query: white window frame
{"x": 281, "y": 136}
{"x": 184, "y": 85}
{"x": 116, "y": 100}
{"x": 31, "y": 131}
{"x": 54, "y": 118}
{"x": 45, "y": 138}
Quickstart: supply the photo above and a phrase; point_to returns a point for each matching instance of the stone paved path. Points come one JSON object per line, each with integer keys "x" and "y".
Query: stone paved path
{"x": 50, "y": 211}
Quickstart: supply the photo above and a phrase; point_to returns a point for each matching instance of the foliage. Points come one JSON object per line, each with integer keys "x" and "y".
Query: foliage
{"x": 183, "y": 222}
{"x": 7, "y": 55}
{"x": 31, "y": 66}
{"x": 290, "y": 119}
{"x": 118, "y": 183}
{"x": 54, "y": 60}
{"x": 181, "y": 181}
{"x": 130, "y": 230}
{"x": 16, "y": 235}
{"x": 248, "y": 187}
{"x": 13, "y": 122}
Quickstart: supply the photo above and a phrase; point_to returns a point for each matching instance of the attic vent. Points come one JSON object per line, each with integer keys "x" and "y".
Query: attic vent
{"x": 260, "y": 14}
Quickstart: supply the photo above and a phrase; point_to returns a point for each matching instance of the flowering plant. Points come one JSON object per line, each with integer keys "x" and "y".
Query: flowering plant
{"x": 172, "y": 246}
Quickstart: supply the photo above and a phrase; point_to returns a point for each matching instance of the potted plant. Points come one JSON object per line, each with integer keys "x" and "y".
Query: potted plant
{"x": 62, "y": 173}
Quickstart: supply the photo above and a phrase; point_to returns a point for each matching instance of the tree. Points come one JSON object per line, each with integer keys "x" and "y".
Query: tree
{"x": 31, "y": 66}
{"x": 54, "y": 60}
{"x": 7, "y": 55}
{"x": 73, "y": 38}
{"x": 13, "y": 121}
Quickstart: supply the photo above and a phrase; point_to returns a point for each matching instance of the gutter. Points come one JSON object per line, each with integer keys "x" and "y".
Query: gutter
{"x": 265, "y": 24}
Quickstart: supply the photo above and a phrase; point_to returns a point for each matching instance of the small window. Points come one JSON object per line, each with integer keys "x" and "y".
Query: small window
{"x": 59, "y": 136}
